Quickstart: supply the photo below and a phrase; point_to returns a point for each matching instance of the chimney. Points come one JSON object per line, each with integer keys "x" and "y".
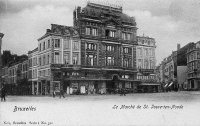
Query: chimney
{"x": 48, "y": 30}
{"x": 178, "y": 46}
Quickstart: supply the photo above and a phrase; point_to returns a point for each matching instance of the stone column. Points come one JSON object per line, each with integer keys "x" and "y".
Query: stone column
{"x": 1, "y": 36}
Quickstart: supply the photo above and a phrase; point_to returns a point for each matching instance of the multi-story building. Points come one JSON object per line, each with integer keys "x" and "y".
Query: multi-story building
{"x": 33, "y": 70}
{"x": 146, "y": 61}
{"x": 97, "y": 55}
{"x": 108, "y": 47}
{"x": 14, "y": 77}
{"x": 193, "y": 65}
{"x": 58, "y": 48}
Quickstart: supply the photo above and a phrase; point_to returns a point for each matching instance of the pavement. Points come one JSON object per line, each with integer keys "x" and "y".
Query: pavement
{"x": 181, "y": 96}
{"x": 139, "y": 109}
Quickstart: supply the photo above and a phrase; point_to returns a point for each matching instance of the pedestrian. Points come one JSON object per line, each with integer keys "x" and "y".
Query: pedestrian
{"x": 62, "y": 93}
{"x": 124, "y": 92}
{"x": 54, "y": 93}
{"x": 3, "y": 93}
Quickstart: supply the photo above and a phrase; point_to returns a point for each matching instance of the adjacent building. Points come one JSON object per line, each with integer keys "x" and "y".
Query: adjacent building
{"x": 193, "y": 65}
{"x": 146, "y": 62}
{"x": 101, "y": 53}
{"x": 1, "y": 36}
{"x": 15, "y": 76}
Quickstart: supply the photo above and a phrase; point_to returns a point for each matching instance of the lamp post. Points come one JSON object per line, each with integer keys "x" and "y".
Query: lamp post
{"x": 1, "y": 36}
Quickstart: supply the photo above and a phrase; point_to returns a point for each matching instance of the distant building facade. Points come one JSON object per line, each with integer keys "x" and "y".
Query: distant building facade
{"x": 193, "y": 64}
{"x": 15, "y": 77}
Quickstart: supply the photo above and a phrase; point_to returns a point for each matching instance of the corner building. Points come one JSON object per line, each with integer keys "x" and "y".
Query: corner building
{"x": 108, "y": 47}
{"x": 96, "y": 55}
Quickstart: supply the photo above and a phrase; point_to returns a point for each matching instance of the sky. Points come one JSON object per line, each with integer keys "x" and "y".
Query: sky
{"x": 168, "y": 21}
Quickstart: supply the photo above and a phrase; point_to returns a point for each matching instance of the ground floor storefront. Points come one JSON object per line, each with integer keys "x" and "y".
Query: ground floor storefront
{"x": 149, "y": 87}
{"x": 193, "y": 84}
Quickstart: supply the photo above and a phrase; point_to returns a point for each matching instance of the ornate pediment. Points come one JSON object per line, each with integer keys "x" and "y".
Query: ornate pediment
{"x": 66, "y": 32}
{"x": 75, "y": 33}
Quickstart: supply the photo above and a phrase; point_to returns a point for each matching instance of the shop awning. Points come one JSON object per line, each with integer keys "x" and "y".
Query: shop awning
{"x": 170, "y": 84}
{"x": 166, "y": 85}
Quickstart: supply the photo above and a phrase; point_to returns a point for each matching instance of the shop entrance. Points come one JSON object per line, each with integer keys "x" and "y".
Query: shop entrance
{"x": 113, "y": 85}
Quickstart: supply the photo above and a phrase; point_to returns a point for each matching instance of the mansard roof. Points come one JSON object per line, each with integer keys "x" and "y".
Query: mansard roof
{"x": 101, "y": 11}
{"x": 61, "y": 30}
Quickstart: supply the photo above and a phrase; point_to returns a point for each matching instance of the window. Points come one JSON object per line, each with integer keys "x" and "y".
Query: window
{"x": 66, "y": 58}
{"x": 57, "y": 57}
{"x": 109, "y": 61}
{"x": 146, "y": 65}
{"x": 44, "y": 60}
{"x": 91, "y": 46}
{"x": 87, "y": 31}
{"x": 112, "y": 33}
{"x": 90, "y": 60}
{"x": 40, "y": 63}
{"x": 140, "y": 51}
{"x": 94, "y": 32}
{"x": 148, "y": 42}
{"x": 57, "y": 43}
{"x": 126, "y": 63}
{"x": 126, "y": 50}
{"x": 139, "y": 63}
{"x": 48, "y": 71}
{"x": 49, "y": 44}
{"x": 123, "y": 36}
{"x": 128, "y": 36}
{"x": 48, "y": 59}
{"x": 66, "y": 43}
{"x": 75, "y": 59}
{"x": 146, "y": 52}
{"x": 75, "y": 45}
{"x": 40, "y": 48}
{"x": 109, "y": 48}
{"x": 43, "y": 45}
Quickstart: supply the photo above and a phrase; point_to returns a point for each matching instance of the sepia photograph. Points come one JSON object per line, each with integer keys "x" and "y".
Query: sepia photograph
{"x": 100, "y": 62}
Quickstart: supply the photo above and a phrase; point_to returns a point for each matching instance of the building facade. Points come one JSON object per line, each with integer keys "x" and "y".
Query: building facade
{"x": 97, "y": 55}
{"x": 193, "y": 65}
{"x": 1, "y": 36}
{"x": 15, "y": 78}
{"x": 146, "y": 62}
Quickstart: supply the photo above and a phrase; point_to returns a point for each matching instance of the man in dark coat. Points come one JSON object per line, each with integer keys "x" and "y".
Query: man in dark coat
{"x": 3, "y": 93}
{"x": 62, "y": 93}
